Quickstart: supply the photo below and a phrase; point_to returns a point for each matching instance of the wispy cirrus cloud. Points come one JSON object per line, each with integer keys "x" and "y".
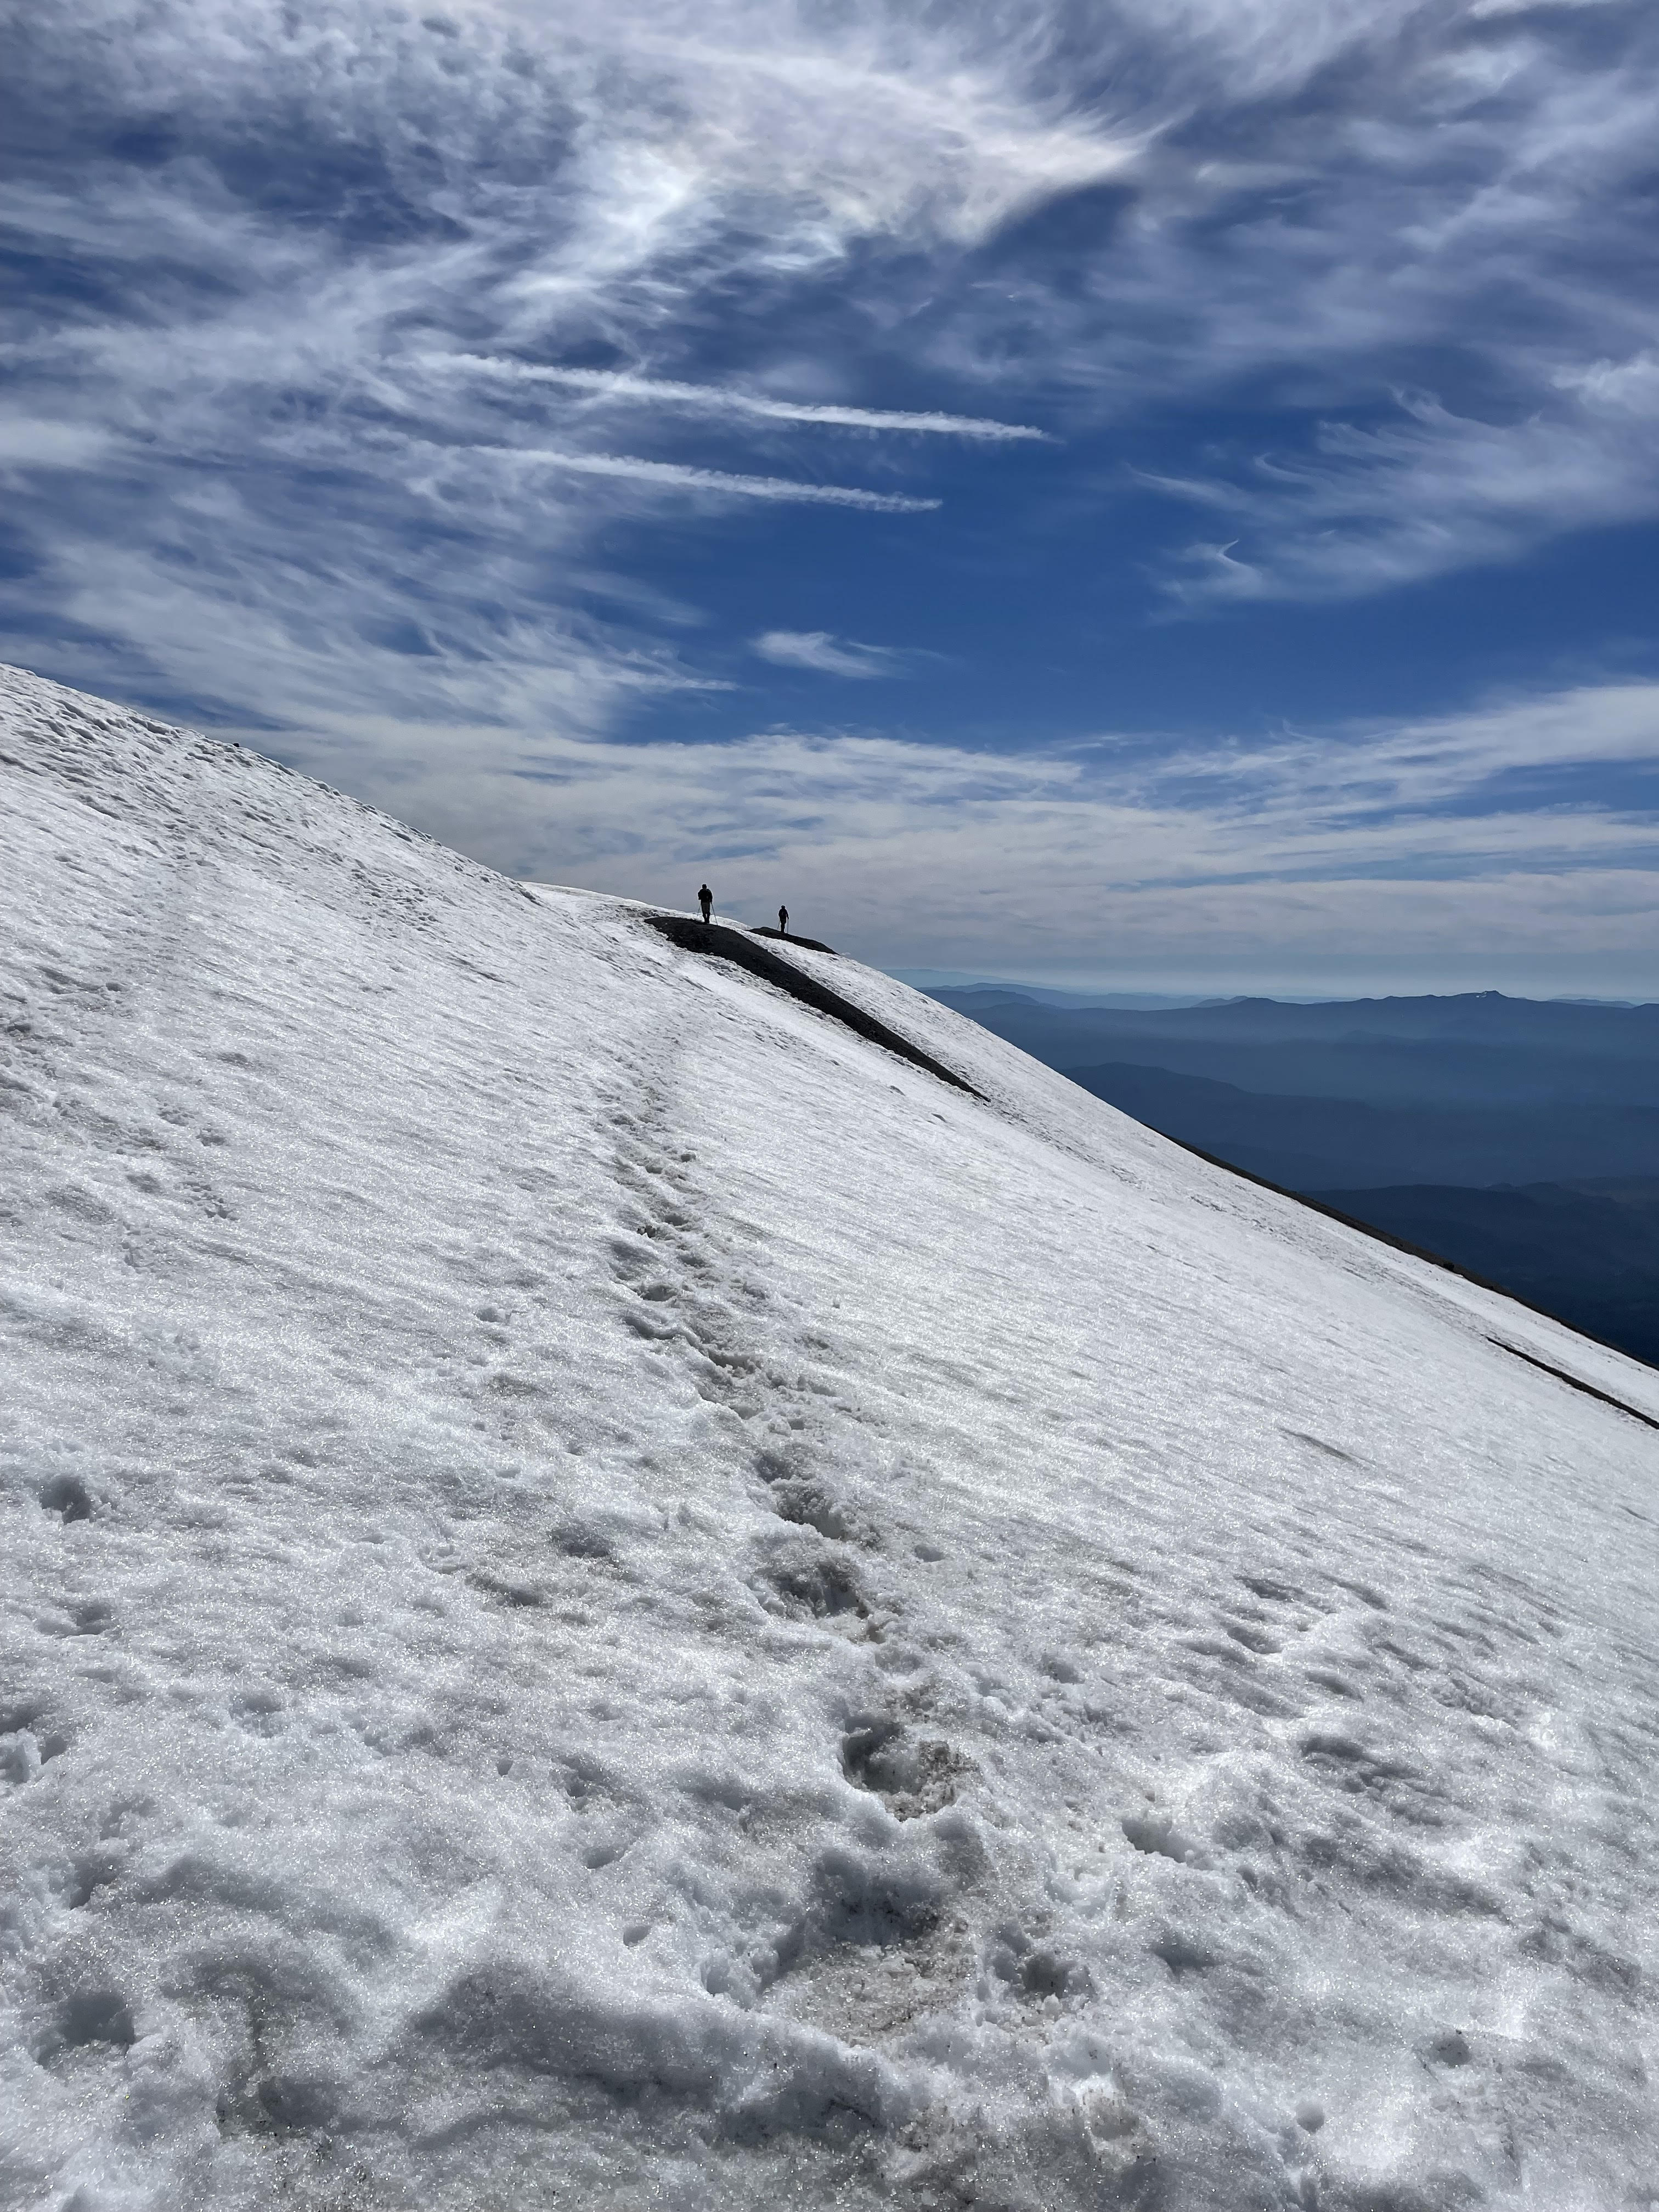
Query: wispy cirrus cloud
{"x": 495, "y": 378}
{"x": 1388, "y": 790}
{"x": 721, "y": 482}
{"x": 1426, "y": 492}
{"x": 1324, "y": 858}
{"x": 306, "y": 198}
{"x": 279, "y": 220}
{"x": 725, "y": 399}
{"x": 35, "y": 441}
{"x": 825, "y": 655}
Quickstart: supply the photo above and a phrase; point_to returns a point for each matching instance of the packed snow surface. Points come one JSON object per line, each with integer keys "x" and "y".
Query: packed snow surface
{"x": 615, "y": 1597}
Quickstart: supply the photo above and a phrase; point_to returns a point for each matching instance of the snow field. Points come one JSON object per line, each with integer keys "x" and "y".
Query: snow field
{"x": 616, "y": 1597}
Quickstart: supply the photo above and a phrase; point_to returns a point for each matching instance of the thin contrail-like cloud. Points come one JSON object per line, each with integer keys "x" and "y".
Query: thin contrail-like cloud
{"x": 722, "y": 399}
{"x": 674, "y": 472}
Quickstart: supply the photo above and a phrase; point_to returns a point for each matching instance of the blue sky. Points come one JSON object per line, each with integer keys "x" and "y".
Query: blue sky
{"x": 1164, "y": 494}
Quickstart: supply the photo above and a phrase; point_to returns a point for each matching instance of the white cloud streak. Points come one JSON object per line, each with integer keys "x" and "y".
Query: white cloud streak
{"x": 38, "y": 442}
{"x": 1427, "y": 493}
{"x": 1313, "y": 861}
{"x": 721, "y": 482}
{"x": 818, "y": 651}
{"x": 720, "y": 399}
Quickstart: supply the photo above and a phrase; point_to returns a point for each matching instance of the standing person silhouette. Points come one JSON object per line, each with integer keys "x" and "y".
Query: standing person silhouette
{"x": 706, "y": 901}
{"x": 783, "y": 921}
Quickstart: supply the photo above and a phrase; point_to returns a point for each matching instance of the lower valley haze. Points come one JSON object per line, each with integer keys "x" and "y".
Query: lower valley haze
{"x": 629, "y": 1581}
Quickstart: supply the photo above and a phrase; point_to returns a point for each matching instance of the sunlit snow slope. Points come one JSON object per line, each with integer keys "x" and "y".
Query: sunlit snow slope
{"x": 614, "y": 1597}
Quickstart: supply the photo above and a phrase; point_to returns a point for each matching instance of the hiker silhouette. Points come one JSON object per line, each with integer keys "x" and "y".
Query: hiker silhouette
{"x": 706, "y": 901}
{"x": 783, "y": 921}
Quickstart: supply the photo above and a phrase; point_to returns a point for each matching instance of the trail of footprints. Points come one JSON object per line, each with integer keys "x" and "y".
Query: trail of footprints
{"x": 880, "y": 1937}
{"x": 878, "y": 1940}
{"x": 698, "y": 1300}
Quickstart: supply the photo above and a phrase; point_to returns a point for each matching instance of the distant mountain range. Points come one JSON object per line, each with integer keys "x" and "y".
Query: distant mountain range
{"x": 1419, "y": 1115}
{"x": 1485, "y": 1047}
{"x": 1309, "y": 1140}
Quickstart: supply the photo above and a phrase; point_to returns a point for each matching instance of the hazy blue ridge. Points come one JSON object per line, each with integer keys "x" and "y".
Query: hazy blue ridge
{"x": 1314, "y": 1142}
{"x": 1483, "y": 1048}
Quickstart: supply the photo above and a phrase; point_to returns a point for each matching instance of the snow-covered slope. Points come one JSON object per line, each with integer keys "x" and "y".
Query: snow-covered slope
{"x": 615, "y": 1597}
